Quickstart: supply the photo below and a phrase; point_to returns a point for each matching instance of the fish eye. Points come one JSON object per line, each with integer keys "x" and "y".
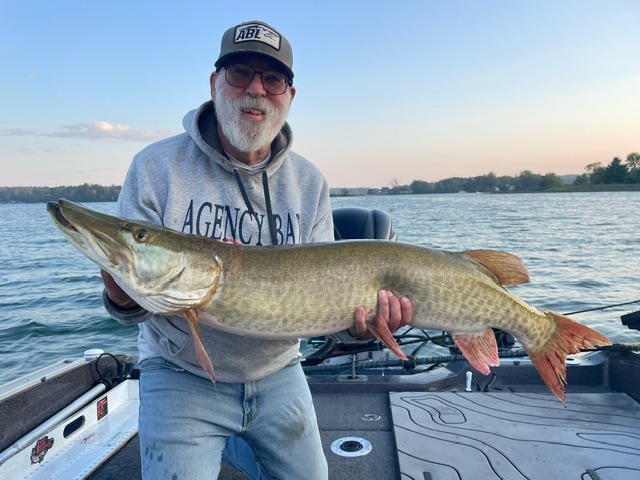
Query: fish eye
{"x": 142, "y": 235}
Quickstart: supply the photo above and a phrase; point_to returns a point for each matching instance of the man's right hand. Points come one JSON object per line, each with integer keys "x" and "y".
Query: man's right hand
{"x": 118, "y": 296}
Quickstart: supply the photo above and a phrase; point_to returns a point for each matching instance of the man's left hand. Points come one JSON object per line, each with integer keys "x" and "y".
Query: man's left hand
{"x": 391, "y": 311}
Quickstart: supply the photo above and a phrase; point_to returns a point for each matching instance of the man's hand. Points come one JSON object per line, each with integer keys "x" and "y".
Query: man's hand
{"x": 115, "y": 293}
{"x": 395, "y": 313}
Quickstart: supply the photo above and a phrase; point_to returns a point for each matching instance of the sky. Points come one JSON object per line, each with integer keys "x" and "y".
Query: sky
{"x": 387, "y": 92}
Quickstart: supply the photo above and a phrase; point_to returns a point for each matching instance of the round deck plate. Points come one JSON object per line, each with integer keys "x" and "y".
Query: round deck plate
{"x": 351, "y": 446}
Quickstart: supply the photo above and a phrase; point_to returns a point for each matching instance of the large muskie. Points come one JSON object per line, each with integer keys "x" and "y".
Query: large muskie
{"x": 314, "y": 289}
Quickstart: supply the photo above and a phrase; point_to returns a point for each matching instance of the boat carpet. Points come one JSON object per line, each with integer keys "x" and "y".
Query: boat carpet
{"x": 356, "y": 416}
{"x": 516, "y": 436}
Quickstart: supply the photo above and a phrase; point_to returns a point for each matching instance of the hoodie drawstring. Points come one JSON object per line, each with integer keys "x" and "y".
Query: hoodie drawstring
{"x": 267, "y": 199}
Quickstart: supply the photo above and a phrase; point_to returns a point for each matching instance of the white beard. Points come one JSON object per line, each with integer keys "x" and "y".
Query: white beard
{"x": 245, "y": 135}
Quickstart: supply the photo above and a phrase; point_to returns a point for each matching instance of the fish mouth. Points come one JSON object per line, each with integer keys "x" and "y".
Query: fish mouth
{"x": 82, "y": 238}
{"x": 56, "y": 213}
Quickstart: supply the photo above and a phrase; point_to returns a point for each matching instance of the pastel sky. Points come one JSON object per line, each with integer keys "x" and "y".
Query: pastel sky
{"x": 405, "y": 90}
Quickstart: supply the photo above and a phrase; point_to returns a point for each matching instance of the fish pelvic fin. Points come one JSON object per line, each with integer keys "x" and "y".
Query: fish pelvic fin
{"x": 479, "y": 348}
{"x": 382, "y": 333}
{"x": 201, "y": 352}
{"x": 550, "y": 361}
{"x": 508, "y": 268}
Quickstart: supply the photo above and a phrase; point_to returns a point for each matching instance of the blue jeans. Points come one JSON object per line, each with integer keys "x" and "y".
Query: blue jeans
{"x": 185, "y": 421}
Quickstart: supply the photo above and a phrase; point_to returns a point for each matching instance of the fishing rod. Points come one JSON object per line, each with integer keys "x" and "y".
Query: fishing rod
{"x": 604, "y": 307}
{"x": 414, "y": 362}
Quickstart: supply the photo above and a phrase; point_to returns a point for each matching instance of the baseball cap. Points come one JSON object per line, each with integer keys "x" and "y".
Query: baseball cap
{"x": 256, "y": 37}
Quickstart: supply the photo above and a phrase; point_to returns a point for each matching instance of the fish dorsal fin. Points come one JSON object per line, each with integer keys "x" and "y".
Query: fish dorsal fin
{"x": 508, "y": 268}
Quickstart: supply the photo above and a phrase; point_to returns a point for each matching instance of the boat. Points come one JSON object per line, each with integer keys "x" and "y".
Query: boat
{"x": 430, "y": 418}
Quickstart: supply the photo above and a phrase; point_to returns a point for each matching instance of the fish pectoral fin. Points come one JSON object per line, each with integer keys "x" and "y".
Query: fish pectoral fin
{"x": 508, "y": 268}
{"x": 201, "y": 352}
{"x": 381, "y": 332}
{"x": 479, "y": 348}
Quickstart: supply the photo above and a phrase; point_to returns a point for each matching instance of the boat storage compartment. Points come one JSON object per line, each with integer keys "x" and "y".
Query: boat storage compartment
{"x": 79, "y": 444}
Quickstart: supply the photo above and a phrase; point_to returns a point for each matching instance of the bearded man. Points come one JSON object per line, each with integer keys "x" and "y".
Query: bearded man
{"x": 231, "y": 176}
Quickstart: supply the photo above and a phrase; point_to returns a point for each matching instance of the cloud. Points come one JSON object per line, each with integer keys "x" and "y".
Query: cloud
{"x": 97, "y": 131}
{"x": 16, "y": 132}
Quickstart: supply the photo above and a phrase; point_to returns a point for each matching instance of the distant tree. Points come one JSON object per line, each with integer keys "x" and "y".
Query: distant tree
{"x": 633, "y": 164}
{"x": 633, "y": 161}
{"x": 450, "y": 185}
{"x": 528, "y": 180}
{"x": 483, "y": 183}
{"x": 420, "y": 187}
{"x": 550, "y": 180}
{"x": 592, "y": 167}
{"x": 596, "y": 173}
{"x": 80, "y": 193}
{"x": 616, "y": 172}
{"x": 581, "y": 180}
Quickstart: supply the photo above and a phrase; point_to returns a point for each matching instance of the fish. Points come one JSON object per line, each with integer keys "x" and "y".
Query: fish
{"x": 308, "y": 290}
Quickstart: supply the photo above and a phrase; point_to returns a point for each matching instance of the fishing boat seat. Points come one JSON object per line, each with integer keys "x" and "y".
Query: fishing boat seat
{"x": 352, "y": 223}
{"x": 357, "y": 223}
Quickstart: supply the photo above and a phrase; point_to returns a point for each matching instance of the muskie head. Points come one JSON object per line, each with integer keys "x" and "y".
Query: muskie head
{"x": 164, "y": 271}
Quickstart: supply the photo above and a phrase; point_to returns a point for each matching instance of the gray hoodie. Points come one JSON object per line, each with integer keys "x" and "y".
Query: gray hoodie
{"x": 188, "y": 184}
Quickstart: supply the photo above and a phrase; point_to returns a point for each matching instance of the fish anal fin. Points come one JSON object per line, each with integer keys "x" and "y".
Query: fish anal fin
{"x": 550, "y": 361}
{"x": 382, "y": 333}
{"x": 201, "y": 352}
{"x": 508, "y": 268}
{"x": 479, "y": 348}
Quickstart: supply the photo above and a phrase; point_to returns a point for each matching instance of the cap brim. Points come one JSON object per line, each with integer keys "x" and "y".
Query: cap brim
{"x": 225, "y": 59}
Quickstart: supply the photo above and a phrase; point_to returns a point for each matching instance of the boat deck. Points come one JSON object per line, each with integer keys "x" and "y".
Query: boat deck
{"x": 516, "y": 436}
{"x": 428, "y": 426}
{"x": 465, "y": 436}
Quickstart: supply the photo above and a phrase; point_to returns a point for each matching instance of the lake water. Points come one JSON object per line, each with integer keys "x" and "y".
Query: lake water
{"x": 582, "y": 251}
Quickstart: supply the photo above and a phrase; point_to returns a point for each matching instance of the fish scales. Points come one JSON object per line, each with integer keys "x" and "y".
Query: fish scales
{"x": 291, "y": 296}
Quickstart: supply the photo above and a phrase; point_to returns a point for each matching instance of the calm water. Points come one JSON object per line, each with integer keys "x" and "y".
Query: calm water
{"x": 582, "y": 251}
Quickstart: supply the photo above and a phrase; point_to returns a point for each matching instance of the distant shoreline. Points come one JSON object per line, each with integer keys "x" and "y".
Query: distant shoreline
{"x": 100, "y": 193}
{"x": 614, "y": 187}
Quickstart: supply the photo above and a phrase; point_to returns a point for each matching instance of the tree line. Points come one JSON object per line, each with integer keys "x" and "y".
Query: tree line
{"x": 79, "y": 193}
{"x": 616, "y": 172}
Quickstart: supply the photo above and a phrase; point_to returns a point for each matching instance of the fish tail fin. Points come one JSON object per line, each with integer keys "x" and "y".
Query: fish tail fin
{"x": 479, "y": 348}
{"x": 201, "y": 352}
{"x": 550, "y": 361}
{"x": 383, "y": 334}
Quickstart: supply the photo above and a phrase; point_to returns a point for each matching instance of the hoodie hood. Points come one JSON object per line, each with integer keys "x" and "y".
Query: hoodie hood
{"x": 201, "y": 125}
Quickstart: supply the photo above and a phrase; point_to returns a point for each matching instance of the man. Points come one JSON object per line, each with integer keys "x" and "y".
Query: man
{"x": 231, "y": 176}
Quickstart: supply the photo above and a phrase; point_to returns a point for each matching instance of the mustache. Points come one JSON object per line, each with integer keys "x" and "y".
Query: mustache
{"x": 256, "y": 103}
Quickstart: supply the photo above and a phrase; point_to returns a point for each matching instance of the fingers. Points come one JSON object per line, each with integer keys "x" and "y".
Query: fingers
{"x": 393, "y": 312}
{"x": 361, "y": 321}
{"x": 384, "y": 307}
{"x": 399, "y": 312}
{"x": 407, "y": 312}
{"x": 115, "y": 293}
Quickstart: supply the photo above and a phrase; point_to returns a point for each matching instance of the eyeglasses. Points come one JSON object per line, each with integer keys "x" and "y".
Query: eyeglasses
{"x": 241, "y": 75}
